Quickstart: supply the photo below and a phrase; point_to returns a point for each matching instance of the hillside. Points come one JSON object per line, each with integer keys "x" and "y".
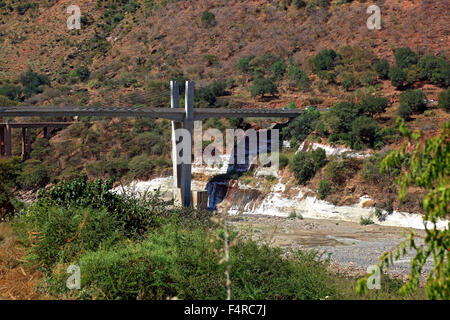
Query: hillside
{"x": 128, "y": 44}
{"x": 240, "y": 53}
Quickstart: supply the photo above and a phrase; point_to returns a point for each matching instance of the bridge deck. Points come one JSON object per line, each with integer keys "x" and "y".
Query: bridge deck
{"x": 175, "y": 114}
{"x": 37, "y": 124}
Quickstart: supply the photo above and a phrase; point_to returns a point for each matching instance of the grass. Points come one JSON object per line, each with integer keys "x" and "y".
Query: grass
{"x": 179, "y": 253}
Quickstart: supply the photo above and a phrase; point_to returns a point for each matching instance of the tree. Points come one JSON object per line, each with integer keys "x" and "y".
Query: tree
{"x": 244, "y": 64}
{"x": 341, "y": 116}
{"x": 382, "y": 68}
{"x": 415, "y": 99}
{"x": 301, "y": 126}
{"x": 397, "y": 76}
{"x": 372, "y": 105}
{"x": 427, "y": 168}
{"x": 324, "y": 60}
{"x": 365, "y": 129}
{"x": 208, "y": 19}
{"x": 298, "y": 77}
{"x": 33, "y": 82}
{"x": 405, "y": 57}
{"x": 83, "y": 73}
{"x": 10, "y": 91}
{"x": 444, "y": 100}
{"x": 434, "y": 69}
{"x": 299, "y": 4}
{"x": 278, "y": 70}
{"x": 306, "y": 164}
{"x": 263, "y": 86}
{"x": 404, "y": 112}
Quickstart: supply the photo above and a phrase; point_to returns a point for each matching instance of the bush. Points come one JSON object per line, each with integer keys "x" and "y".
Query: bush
{"x": 341, "y": 116}
{"x": 404, "y": 112}
{"x": 405, "y": 57}
{"x": 283, "y": 161}
{"x": 397, "y": 76}
{"x": 299, "y": 78}
{"x": 208, "y": 19}
{"x": 306, "y": 164}
{"x": 65, "y": 233}
{"x": 365, "y": 221}
{"x": 382, "y": 68}
{"x": 141, "y": 166}
{"x": 372, "y": 105}
{"x": 184, "y": 263}
{"x": 366, "y": 130}
{"x": 34, "y": 175}
{"x": 324, "y": 60}
{"x": 5, "y": 102}
{"x": 444, "y": 100}
{"x": 298, "y": 4}
{"x": 83, "y": 73}
{"x": 10, "y": 91}
{"x": 414, "y": 99}
{"x": 278, "y": 70}
{"x": 434, "y": 69}
{"x": 9, "y": 170}
{"x": 301, "y": 126}
{"x": 324, "y": 189}
{"x": 33, "y": 82}
{"x": 263, "y": 86}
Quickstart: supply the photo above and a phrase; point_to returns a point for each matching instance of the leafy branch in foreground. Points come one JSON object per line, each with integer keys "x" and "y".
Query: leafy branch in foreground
{"x": 428, "y": 168}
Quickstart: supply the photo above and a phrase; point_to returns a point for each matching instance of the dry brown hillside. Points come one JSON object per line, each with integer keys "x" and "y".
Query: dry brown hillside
{"x": 164, "y": 41}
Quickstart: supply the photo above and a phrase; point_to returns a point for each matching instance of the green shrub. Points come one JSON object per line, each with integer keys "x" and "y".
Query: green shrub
{"x": 397, "y": 76}
{"x": 83, "y": 73}
{"x": 299, "y": 4}
{"x": 10, "y": 91}
{"x": 405, "y": 112}
{"x": 33, "y": 82}
{"x": 324, "y": 60}
{"x": 365, "y": 221}
{"x": 372, "y": 105}
{"x": 365, "y": 129}
{"x": 34, "y": 175}
{"x": 244, "y": 64}
{"x": 263, "y": 86}
{"x": 283, "y": 161}
{"x": 5, "y": 102}
{"x": 301, "y": 126}
{"x": 9, "y": 170}
{"x": 278, "y": 70}
{"x": 435, "y": 69}
{"x": 299, "y": 78}
{"x": 405, "y": 57}
{"x": 141, "y": 166}
{"x": 208, "y": 19}
{"x": 181, "y": 263}
{"x": 414, "y": 99}
{"x": 65, "y": 233}
{"x": 137, "y": 216}
{"x": 324, "y": 189}
{"x": 306, "y": 164}
{"x": 382, "y": 68}
{"x": 341, "y": 116}
{"x": 444, "y": 100}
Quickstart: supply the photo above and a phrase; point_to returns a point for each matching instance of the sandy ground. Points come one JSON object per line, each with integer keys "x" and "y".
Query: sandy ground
{"x": 352, "y": 248}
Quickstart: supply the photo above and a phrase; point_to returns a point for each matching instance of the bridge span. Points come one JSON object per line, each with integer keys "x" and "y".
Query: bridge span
{"x": 180, "y": 117}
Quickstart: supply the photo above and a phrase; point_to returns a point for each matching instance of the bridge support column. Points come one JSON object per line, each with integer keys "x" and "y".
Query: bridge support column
{"x": 46, "y": 133}
{"x": 26, "y": 144}
{"x": 2, "y": 141}
{"x": 175, "y": 103}
{"x": 8, "y": 141}
{"x": 186, "y": 168}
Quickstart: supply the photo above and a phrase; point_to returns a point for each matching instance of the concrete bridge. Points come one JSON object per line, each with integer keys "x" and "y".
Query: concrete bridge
{"x": 180, "y": 117}
{"x": 6, "y": 132}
